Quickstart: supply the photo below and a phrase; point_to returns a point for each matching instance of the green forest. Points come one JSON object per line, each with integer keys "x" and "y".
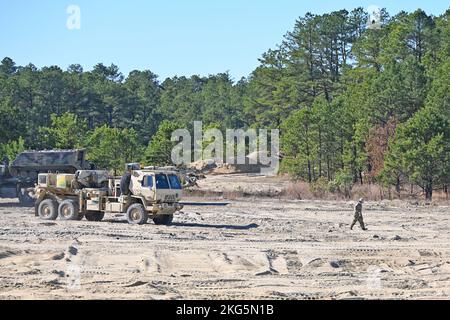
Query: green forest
{"x": 354, "y": 104}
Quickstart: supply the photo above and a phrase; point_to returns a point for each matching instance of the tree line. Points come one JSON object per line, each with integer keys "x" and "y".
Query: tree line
{"x": 353, "y": 102}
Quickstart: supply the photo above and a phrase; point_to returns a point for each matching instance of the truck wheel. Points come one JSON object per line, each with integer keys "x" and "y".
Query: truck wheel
{"x": 69, "y": 210}
{"x": 24, "y": 198}
{"x": 47, "y": 209}
{"x": 94, "y": 216}
{"x": 164, "y": 219}
{"x": 136, "y": 214}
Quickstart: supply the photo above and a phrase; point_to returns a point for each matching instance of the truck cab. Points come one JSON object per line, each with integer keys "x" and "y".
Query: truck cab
{"x": 157, "y": 191}
{"x": 9, "y": 187}
{"x": 156, "y": 186}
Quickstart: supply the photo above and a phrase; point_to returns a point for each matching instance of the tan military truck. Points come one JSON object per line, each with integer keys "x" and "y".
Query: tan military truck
{"x": 140, "y": 194}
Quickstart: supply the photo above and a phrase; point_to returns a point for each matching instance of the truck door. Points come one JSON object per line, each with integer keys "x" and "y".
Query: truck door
{"x": 147, "y": 187}
{"x": 162, "y": 186}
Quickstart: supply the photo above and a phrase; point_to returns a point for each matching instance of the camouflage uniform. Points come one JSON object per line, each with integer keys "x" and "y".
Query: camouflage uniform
{"x": 358, "y": 215}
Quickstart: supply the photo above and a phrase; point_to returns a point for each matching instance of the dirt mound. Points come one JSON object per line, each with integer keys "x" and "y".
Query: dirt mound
{"x": 203, "y": 165}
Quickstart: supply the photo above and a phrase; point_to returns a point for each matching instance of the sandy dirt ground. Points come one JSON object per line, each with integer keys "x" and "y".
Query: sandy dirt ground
{"x": 253, "y": 248}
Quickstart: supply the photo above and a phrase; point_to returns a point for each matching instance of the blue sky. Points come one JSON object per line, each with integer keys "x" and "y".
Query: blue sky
{"x": 171, "y": 37}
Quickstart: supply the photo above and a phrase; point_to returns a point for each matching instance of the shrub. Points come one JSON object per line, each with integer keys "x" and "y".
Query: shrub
{"x": 342, "y": 183}
{"x": 320, "y": 187}
{"x": 297, "y": 191}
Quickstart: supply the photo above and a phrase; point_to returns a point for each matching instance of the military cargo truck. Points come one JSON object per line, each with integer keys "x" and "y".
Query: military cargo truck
{"x": 18, "y": 179}
{"x": 29, "y": 164}
{"x": 140, "y": 194}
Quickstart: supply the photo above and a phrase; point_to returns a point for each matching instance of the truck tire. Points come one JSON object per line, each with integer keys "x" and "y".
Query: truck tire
{"x": 24, "y": 198}
{"x": 163, "y": 219}
{"x": 94, "y": 216}
{"x": 136, "y": 214}
{"x": 69, "y": 210}
{"x": 47, "y": 209}
{"x": 125, "y": 183}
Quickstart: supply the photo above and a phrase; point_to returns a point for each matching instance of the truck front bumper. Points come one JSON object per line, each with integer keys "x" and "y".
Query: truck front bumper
{"x": 166, "y": 208}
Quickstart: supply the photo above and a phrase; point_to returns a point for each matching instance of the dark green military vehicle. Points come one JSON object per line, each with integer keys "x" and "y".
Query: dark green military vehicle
{"x": 18, "y": 179}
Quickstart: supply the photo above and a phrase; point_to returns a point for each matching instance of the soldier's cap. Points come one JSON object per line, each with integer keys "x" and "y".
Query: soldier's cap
{"x": 361, "y": 200}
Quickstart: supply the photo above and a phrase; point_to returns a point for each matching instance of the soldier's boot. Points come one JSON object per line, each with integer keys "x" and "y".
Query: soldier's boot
{"x": 352, "y": 225}
{"x": 361, "y": 223}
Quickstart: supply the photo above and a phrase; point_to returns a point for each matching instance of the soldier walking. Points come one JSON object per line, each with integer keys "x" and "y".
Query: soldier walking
{"x": 358, "y": 215}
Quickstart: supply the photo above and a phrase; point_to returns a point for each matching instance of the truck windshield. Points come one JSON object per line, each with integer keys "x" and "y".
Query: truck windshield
{"x": 174, "y": 181}
{"x": 161, "y": 181}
